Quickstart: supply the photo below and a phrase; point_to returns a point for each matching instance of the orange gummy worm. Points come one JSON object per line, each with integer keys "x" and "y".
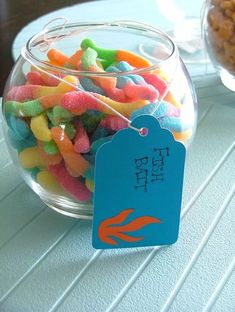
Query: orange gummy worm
{"x": 182, "y": 136}
{"x": 57, "y": 57}
{"x": 74, "y": 59}
{"x": 132, "y": 58}
{"x": 48, "y": 159}
{"x": 74, "y": 160}
{"x": 50, "y": 101}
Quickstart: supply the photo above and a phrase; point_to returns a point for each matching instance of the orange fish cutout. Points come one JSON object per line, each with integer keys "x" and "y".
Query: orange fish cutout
{"x": 111, "y": 227}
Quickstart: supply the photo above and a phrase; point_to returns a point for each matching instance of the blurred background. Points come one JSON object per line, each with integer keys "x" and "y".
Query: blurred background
{"x": 16, "y": 14}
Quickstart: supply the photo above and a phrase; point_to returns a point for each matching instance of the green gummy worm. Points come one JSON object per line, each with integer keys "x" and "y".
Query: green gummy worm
{"x": 25, "y": 109}
{"x": 50, "y": 148}
{"x": 106, "y": 54}
{"x": 89, "y": 58}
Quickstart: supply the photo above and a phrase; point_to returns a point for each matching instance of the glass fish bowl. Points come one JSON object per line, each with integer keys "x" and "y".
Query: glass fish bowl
{"x": 219, "y": 37}
{"x": 74, "y": 87}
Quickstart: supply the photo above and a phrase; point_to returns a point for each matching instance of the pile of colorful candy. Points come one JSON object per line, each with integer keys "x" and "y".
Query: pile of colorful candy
{"x": 57, "y": 126}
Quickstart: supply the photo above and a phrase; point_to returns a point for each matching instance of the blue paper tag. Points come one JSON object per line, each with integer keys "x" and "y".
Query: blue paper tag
{"x": 138, "y": 188}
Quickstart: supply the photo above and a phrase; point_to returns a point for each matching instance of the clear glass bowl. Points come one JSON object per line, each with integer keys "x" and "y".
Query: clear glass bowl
{"x": 219, "y": 36}
{"x": 55, "y": 111}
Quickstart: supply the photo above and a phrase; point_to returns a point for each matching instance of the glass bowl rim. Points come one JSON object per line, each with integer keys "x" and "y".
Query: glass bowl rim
{"x": 136, "y": 25}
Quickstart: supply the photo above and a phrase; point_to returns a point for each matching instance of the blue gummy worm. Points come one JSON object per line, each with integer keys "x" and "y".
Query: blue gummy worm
{"x": 19, "y": 127}
{"x": 122, "y": 80}
{"x": 90, "y": 86}
{"x": 152, "y": 109}
{"x": 19, "y": 145}
{"x": 173, "y": 123}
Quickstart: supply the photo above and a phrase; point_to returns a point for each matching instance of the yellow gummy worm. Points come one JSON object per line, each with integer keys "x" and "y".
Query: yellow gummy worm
{"x": 30, "y": 158}
{"x": 90, "y": 184}
{"x": 39, "y": 127}
{"x": 124, "y": 108}
{"x": 49, "y": 182}
{"x": 62, "y": 87}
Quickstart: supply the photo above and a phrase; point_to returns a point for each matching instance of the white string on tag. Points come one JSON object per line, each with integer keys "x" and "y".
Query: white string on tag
{"x": 48, "y": 42}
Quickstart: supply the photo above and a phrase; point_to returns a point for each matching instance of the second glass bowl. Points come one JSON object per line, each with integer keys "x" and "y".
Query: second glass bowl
{"x": 219, "y": 35}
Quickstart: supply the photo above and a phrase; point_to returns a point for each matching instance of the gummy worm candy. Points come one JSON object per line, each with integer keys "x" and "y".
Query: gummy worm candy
{"x": 70, "y": 184}
{"x": 74, "y": 60}
{"x": 60, "y": 59}
{"x": 74, "y": 160}
{"x": 124, "y": 66}
{"x": 20, "y": 144}
{"x": 30, "y": 158}
{"x": 46, "y": 77}
{"x": 48, "y": 159}
{"x": 57, "y": 57}
{"x": 39, "y": 127}
{"x": 49, "y": 182}
{"x": 50, "y": 148}
{"x": 30, "y": 92}
{"x": 90, "y": 86}
{"x": 58, "y": 115}
{"x": 90, "y": 184}
{"x": 158, "y": 110}
{"x": 155, "y": 81}
{"x": 182, "y": 136}
{"x": 89, "y": 63}
{"x": 26, "y": 109}
{"x": 79, "y": 102}
{"x": 69, "y": 129}
{"x": 161, "y": 85}
{"x": 19, "y": 127}
{"x": 81, "y": 140}
{"x": 133, "y": 86}
{"x": 114, "y": 123}
{"x": 173, "y": 123}
{"x": 37, "y": 106}
{"x": 116, "y": 55}
{"x": 91, "y": 120}
{"x": 123, "y": 80}
{"x": 78, "y": 116}
{"x": 35, "y": 78}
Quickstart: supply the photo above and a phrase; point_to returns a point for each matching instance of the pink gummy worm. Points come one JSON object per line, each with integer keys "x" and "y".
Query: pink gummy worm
{"x": 141, "y": 92}
{"x": 155, "y": 81}
{"x": 70, "y": 184}
{"x": 79, "y": 102}
{"x": 117, "y": 95}
{"x": 114, "y": 123}
{"x": 35, "y": 78}
{"x": 22, "y": 93}
{"x": 30, "y": 92}
{"x": 81, "y": 140}
{"x": 50, "y": 80}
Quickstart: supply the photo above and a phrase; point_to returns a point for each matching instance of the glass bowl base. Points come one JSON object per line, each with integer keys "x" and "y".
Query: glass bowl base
{"x": 228, "y": 80}
{"x": 74, "y": 210}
